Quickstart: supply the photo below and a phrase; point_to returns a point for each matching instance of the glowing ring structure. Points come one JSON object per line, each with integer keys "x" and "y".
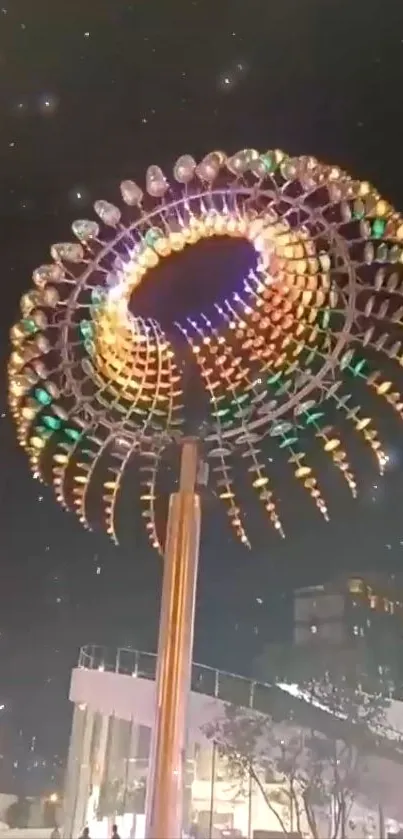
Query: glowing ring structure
{"x": 86, "y": 371}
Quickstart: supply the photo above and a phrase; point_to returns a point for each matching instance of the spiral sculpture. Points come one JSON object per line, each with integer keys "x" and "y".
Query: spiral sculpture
{"x": 91, "y": 380}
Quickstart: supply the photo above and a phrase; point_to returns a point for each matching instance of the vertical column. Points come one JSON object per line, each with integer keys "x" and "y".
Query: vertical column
{"x": 85, "y": 772}
{"x": 250, "y": 804}
{"x": 73, "y": 773}
{"x": 212, "y": 801}
{"x": 99, "y": 773}
{"x": 165, "y": 785}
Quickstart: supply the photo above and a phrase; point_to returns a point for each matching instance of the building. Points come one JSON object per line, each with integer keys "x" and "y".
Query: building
{"x": 110, "y": 743}
{"x": 114, "y": 693}
{"x": 350, "y": 607}
{"x": 363, "y": 611}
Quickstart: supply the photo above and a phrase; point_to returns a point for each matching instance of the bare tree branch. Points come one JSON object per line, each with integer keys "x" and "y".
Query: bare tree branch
{"x": 318, "y": 770}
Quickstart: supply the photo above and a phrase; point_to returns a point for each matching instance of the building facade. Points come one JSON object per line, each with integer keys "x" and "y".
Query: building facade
{"x": 355, "y": 607}
{"x": 110, "y": 742}
{"x": 114, "y": 698}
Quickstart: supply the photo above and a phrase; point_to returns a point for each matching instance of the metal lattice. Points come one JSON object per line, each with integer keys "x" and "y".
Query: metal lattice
{"x": 90, "y": 381}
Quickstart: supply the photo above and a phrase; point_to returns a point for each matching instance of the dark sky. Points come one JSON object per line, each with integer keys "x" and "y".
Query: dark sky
{"x": 92, "y": 92}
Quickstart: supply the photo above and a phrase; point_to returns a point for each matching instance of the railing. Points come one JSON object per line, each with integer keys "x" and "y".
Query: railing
{"x": 228, "y": 687}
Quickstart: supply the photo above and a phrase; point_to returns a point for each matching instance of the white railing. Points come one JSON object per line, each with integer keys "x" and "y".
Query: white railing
{"x": 228, "y": 687}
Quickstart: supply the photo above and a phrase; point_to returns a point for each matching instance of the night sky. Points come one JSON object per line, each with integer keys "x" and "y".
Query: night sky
{"x": 92, "y": 92}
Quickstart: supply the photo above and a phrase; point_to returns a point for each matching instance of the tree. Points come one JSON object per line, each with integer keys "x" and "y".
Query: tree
{"x": 119, "y": 796}
{"x": 315, "y": 742}
{"x": 17, "y": 815}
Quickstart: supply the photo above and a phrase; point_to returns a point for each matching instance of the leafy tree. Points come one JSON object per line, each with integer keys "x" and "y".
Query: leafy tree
{"x": 17, "y": 815}
{"x": 316, "y": 748}
{"x": 334, "y": 675}
{"x": 119, "y": 797}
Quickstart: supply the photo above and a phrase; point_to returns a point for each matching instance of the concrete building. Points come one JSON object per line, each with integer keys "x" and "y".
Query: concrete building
{"x": 113, "y": 694}
{"x": 353, "y": 607}
{"x": 110, "y": 742}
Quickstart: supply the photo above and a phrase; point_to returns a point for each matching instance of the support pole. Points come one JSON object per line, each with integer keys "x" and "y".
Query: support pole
{"x": 165, "y": 785}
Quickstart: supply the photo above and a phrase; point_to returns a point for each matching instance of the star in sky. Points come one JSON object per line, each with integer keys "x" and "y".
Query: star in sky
{"x": 230, "y": 78}
{"x": 48, "y": 104}
{"x": 78, "y": 196}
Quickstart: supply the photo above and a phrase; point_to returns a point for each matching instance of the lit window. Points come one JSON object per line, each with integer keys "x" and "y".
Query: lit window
{"x": 313, "y": 628}
{"x": 355, "y": 586}
{"x": 373, "y": 600}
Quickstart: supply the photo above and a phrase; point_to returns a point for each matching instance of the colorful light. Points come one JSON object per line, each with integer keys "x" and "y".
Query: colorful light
{"x": 325, "y": 298}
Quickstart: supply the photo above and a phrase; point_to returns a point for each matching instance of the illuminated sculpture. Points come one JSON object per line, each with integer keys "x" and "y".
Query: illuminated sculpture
{"x": 91, "y": 382}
